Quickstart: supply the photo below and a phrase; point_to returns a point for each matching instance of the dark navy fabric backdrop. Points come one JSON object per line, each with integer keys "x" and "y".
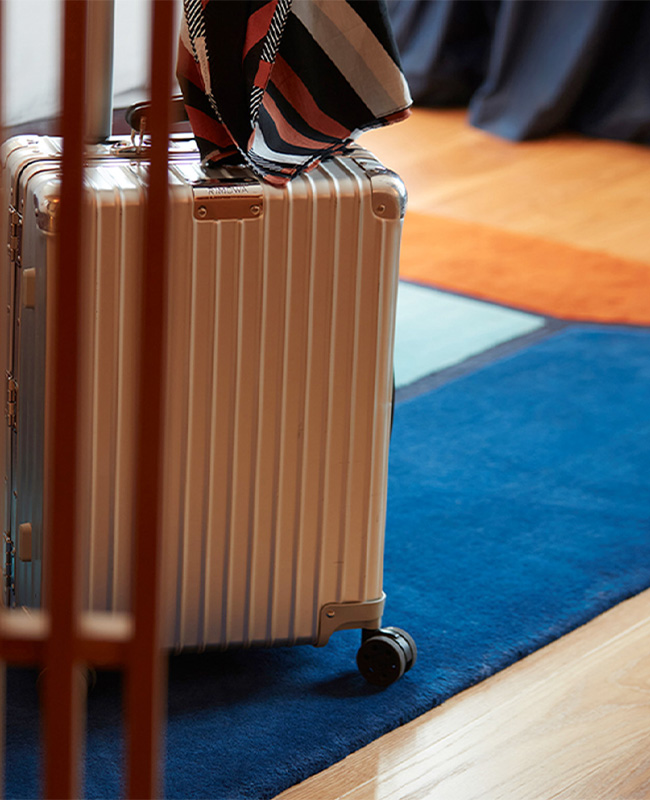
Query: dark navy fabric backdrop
{"x": 529, "y": 69}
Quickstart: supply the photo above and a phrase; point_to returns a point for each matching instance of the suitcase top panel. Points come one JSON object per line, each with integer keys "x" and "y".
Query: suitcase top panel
{"x": 357, "y": 171}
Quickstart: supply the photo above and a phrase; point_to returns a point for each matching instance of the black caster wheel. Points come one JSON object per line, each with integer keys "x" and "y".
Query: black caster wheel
{"x": 385, "y": 655}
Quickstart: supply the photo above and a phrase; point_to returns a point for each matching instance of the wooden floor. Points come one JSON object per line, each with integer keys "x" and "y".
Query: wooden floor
{"x": 572, "y": 721}
{"x": 586, "y": 192}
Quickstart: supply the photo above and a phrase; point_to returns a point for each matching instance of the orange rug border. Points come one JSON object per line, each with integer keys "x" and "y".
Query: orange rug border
{"x": 558, "y": 280}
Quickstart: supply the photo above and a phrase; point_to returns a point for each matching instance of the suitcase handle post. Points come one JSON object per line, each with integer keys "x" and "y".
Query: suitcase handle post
{"x": 99, "y": 70}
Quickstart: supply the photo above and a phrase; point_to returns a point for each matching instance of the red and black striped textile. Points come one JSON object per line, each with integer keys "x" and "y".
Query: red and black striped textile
{"x": 282, "y": 84}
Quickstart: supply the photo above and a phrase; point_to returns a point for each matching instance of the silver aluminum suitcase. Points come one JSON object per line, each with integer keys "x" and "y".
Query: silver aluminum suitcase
{"x": 278, "y": 390}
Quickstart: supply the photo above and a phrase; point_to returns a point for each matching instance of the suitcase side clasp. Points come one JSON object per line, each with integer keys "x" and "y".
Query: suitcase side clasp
{"x": 11, "y": 404}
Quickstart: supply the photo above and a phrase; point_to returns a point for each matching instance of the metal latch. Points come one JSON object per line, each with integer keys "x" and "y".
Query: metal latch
{"x": 12, "y": 401}
{"x": 15, "y": 235}
{"x": 7, "y": 569}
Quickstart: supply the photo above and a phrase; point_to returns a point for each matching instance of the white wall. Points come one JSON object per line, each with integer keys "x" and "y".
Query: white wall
{"x": 32, "y": 55}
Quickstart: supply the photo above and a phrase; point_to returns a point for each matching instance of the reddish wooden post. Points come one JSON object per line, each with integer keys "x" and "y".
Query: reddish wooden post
{"x": 57, "y": 640}
{"x": 146, "y": 673}
{"x": 63, "y": 687}
{"x": 3, "y": 685}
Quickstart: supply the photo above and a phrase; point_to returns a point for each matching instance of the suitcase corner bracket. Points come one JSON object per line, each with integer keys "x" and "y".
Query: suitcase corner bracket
{"x": 344, "y": 616}
{"x": 389, "y": 196}
{"x": 47, "y": 210}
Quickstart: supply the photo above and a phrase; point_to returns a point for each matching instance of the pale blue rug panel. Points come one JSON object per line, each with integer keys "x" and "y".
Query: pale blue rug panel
{"x": 436, "y": 330}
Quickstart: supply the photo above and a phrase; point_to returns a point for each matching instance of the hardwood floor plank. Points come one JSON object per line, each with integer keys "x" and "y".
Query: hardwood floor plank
{"x": 569, "y": 722}
{"x": 587, "y": 192}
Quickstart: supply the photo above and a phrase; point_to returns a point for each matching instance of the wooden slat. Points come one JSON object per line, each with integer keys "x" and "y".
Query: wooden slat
{"x": 63, "y": 689}
{"x": 22, "y": 636}
{"x": 62, "y": 639}
{"x": 103, "y": 640}
{"x": 146, "y": 676}
{"x": 3, "y": 688}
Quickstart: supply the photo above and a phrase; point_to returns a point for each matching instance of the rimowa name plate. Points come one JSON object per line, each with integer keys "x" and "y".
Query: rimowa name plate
{"x": 224, "y": 193}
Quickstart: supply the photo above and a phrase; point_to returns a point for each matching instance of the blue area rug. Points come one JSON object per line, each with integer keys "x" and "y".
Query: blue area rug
{"x": 519, "y": 508}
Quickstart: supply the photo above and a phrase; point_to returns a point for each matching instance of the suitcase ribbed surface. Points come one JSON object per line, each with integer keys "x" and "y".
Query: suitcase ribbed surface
{"x": 277, "y": 403}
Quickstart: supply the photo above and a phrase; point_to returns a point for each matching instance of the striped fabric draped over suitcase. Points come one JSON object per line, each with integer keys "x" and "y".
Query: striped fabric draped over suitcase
{"x": 284, "y": 83}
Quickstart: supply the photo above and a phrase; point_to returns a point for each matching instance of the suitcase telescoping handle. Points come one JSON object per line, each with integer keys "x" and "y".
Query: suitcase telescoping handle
{"x": 137, "y": 115}
{"x": 99, "y": 70}
{"x": 99, "y": 80}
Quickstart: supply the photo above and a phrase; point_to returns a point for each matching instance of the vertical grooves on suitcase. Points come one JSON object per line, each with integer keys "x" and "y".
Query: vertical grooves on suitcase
{"x": 355, "y": 527}
{"x": 235, "y": 456}
{"x": 282, "y": 622}
{"x": 389, "y": 251}
{"x": 115, "y": 503}
{"x": 187, "y": 523}
{"x": 296, "y": 350}
{"x": 229, "y": 392}
{"x": 207, "y": 539}
{"x": 317, "y": 392}
{"x": 117, "y": 437}
{"x": 349, "y": 358}
{"x": 277, "y": 405}
{"x": 326, "y": 487}
{"x": 235, "y": 577}
{"x": 260, "y": 577}
{"x": 91, "y": 534}
{"x": 307, "y": 555}
{"x": 269, "y": 439}
{"x": 381, "y": 438}
{"x": 372, "y": 288}
{"x": 212, "y": 570}
{"x": 374, "y": 355}
{"x": 256, "y": 571}
{"x": 289, "y": 345}
{"x": 197, "y": 453}
{"x": 250, "y": 290}
{"x": 182, "y": 386}
{"x": 276, "y": 243}
{"x": 127, "y": 211}
{"x": 205, "y": 510}
{"x": 344, "y": 369}
{"x": 115, "y": 418}
{"x": 102, "y": 387}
